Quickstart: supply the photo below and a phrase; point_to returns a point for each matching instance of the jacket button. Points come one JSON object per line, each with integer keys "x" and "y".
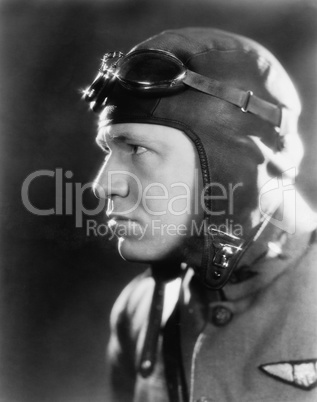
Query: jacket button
{"x": 220, "y": 316}
{"x": 203, "y": 399}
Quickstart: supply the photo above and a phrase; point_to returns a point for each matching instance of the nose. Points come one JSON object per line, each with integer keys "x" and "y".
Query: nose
{"x": 111, "y": 181}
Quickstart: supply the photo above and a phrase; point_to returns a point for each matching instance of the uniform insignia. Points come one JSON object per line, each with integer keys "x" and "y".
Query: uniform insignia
{"x": 300, "y": 373}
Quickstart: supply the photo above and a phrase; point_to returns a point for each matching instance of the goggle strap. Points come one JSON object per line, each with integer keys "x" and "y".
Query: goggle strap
{"x": 288, "y": 122}
{"x": 246, "y": 101}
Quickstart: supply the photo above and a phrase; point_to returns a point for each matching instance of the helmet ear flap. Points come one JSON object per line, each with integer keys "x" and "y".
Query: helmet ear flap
{"x": 99, "y": 90}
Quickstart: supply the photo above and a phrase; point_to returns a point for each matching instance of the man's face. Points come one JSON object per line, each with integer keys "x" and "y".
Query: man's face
{"x": 151, "y": 177}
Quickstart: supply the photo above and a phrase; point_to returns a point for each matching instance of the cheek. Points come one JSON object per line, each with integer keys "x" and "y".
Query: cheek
{"x": 175, "y": 201}
{"x": 155, "y": 205}
{"x": 168, "y": 200}
{"x": 185, "y": 195}
{"x": 182, "y": 199}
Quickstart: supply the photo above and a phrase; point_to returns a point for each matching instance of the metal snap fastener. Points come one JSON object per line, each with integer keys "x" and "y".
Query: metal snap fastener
{"x": 220, "y": 316}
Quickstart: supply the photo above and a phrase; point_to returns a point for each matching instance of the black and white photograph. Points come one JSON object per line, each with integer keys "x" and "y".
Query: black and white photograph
{"x": 158, "y": 201}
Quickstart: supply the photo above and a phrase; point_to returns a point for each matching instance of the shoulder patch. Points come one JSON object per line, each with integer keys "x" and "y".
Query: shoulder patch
{"x": 299, "y": 373}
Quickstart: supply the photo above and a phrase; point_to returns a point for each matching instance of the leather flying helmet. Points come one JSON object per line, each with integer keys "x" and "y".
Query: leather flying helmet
{"x": 231, "y": 97}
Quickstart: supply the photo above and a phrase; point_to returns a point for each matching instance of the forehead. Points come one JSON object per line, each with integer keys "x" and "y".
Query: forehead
{"x": 141, "y": 133}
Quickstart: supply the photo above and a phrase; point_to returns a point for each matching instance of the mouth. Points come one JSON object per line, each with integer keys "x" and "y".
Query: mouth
{"x": 124, "y": 227}
{"x": 119, "y": 218}
{"x": 116, "y": 220}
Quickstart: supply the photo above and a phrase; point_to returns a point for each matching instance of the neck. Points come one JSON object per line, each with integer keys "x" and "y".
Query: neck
{"x": 166, "y": 270}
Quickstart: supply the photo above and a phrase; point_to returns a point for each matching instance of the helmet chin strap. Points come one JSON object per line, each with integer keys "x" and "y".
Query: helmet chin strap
{"x": 223, "y": 252}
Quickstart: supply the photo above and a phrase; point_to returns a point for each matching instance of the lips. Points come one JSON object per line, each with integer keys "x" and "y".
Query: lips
{"x": 121, "y": 218}
{"x": 125, "y": 227}
{"x": 119, "y": 221}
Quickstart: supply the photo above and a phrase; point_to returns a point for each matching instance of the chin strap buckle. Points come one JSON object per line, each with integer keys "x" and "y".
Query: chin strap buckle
{"x": 223, "y": 255}
{"x": 244, "y": 108}
{"x": 226, "y": 250}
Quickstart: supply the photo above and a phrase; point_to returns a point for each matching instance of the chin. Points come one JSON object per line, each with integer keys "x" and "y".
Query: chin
{"x": 131, "y": 250}
{"x": 134, "y": 250}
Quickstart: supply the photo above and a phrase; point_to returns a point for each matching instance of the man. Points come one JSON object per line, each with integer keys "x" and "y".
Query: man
{"x": 200, "y": 131}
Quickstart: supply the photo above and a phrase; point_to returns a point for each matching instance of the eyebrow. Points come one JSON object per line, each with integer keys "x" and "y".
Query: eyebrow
{"x": 122, "y": 136}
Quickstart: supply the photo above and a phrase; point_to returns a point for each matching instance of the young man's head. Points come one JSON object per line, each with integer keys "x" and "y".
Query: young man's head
{"x": 150, "y": 176}
{"x": 189, "y": 117}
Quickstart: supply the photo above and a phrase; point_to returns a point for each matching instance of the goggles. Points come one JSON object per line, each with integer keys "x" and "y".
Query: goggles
{"x": 158, "y": 72}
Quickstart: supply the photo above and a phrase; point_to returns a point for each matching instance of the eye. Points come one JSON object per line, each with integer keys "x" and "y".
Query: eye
{"x": 137, "y": 149}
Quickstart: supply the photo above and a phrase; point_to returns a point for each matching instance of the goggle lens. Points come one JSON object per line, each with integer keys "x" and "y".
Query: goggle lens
{"x": 149, "y": 70}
